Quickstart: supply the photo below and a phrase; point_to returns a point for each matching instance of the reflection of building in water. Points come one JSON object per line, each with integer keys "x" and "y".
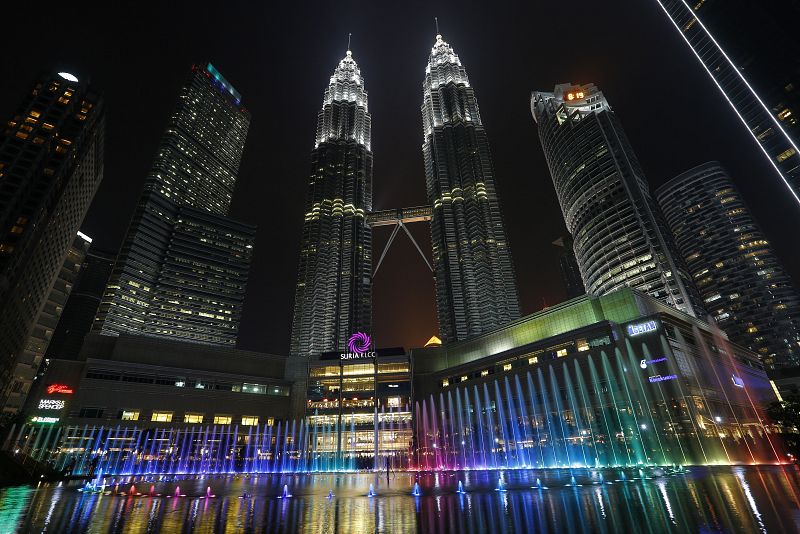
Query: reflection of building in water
{"x": 359, "y": 409}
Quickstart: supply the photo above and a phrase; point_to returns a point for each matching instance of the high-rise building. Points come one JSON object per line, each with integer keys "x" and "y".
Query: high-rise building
{"x": 570, "y": 272}
{"x": 81, "y": 307}
{"x": 619, "y": 235}
{"x": 51, "y": 163}
{"x": 183, "y": 267}
{"x": 751, "y": 50}
{"x": 475, "y": 286}
{"x": 334, "y": 282}
{"x": 742, "y": 282}
{"x": 29, "y": 362}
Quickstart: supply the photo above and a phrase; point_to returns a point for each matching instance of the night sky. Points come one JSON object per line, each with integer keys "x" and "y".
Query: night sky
{"x": 280, "y": 56}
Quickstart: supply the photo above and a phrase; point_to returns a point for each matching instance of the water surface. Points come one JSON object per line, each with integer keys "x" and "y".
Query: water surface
{"x": 702, "y": 499}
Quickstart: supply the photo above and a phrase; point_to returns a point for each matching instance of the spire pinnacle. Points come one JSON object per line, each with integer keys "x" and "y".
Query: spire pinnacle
{"x": 348, "y": 41}
{"x": 436, "y": 21}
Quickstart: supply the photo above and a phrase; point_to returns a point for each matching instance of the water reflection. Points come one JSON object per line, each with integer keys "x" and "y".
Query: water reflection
{"x": 739, "y": 499}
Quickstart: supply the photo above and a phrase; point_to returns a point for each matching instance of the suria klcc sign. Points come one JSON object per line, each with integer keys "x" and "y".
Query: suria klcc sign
{"x": 358, "y": 346}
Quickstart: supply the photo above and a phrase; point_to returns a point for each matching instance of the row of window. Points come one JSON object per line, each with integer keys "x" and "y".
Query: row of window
{"x": 183, "y": 382}
{"x": 580, "y": 345}
{"x": 162, "y": 416}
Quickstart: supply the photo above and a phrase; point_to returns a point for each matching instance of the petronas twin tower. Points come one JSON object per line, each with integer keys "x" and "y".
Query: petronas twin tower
{"x": 472, "y": 265}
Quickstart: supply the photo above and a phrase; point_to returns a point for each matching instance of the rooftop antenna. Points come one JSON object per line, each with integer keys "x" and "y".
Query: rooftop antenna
{"x": 436, "y": 21}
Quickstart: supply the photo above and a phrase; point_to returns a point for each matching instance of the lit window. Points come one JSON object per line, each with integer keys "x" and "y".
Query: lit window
{"x": 393, "y": 402}
{"x": 222, "y": 419}
{"x": 464, "y": 378}
{"x": 270, "y": 421}
{"x": 249, "y": 420}
{"x": 129, "y": 415}
{"x": 445, "y": 383}
{"x": 533, "y": 360}
{"x": 161, "y": 417}
{"x": 485, "y": 372}
{"x": 783, "y": 156}
{"x": 583, "y": 345}
{"x": 561, "y": 353}
{"x": 507, "y": 367}
{"x": 193, "y": 418}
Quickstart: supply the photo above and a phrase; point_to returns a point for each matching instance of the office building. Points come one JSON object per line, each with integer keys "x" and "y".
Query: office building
{"x": 51, "y": 163}
{"x": 81, "y": 307}
{"x": 475, "y": 286}
{"x": 333, "y": 295}
{"x": 183, "y": 266}
{"x": 619, "y": 235}
{"x": 29, "y": 363}
{"x": 570, "y": 272}
{"x": 751, "y": 51}
{"x": 743, "y": 284}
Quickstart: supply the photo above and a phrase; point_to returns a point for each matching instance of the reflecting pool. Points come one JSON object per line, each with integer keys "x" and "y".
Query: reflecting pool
{"x": 698, "y": 499}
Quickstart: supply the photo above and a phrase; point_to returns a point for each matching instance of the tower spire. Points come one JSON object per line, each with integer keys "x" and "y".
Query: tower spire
{"x": 436, "y": 21}
{"x": 348, "y": 41}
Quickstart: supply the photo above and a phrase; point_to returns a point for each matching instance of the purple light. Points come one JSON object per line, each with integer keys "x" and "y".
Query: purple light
{"x": 359, "y": 343}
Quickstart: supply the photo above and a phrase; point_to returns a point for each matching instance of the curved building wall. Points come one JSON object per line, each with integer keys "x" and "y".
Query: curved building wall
{"x": 742, "y": 282}
{"x": 619, "y": 236}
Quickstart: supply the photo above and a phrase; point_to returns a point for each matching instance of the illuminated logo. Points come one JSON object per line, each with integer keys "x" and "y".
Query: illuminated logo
{"x": 641, "y": 328}
{"x": 738, "y": 382}
{"x": 644, "y": 363}
{"x": 660, "y": 378}
{"x": 59, "y": 388}
{"x": 48, "y": 420}
{"x": 51, "y": 404}
{"x": 359, "y": 343}
{"x": 572, "y": 96}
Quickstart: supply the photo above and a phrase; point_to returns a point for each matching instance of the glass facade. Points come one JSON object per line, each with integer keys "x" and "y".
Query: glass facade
{"x": 620, "y": 238}
{"x": 751, "y": 50}
{"x": 358, "y": 413}
{"x": 475, "y": 286}
{"x": 743, "y": 284}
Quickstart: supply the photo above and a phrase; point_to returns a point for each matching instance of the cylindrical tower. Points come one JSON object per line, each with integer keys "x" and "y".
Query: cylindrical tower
{"x": 743, "y": 284}
{"x": 619, "y": 235}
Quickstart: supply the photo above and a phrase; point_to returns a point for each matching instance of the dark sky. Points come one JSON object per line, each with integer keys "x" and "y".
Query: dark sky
{"x": 280, "y": 55}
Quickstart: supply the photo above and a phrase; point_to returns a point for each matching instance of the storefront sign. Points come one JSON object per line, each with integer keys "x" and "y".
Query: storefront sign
{"x": 51, "y": 404}
{"x": 660, "y": 378}
{"x": 638, "y": 329}
{"x": 46, "y": 420}
{"x": 59, "y": 388}
{"x": 644, "y": 363}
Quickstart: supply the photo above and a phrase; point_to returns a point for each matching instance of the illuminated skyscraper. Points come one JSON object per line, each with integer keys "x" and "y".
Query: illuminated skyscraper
{"x": 51, "y": 163}
{"x": 475, "y": 286}
{"x": 742, "y": 282}
{"x": 619, "y": 235}
{"x": 334, "y": 282}
{"x": 183, "y": 267}
{"x": 751, "y": 50}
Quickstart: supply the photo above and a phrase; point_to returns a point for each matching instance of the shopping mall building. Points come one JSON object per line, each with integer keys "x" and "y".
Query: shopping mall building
{"x": 595, "y": 381}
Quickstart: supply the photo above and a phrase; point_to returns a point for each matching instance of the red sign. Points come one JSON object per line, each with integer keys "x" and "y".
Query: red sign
{"x": 59, "y": 388}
